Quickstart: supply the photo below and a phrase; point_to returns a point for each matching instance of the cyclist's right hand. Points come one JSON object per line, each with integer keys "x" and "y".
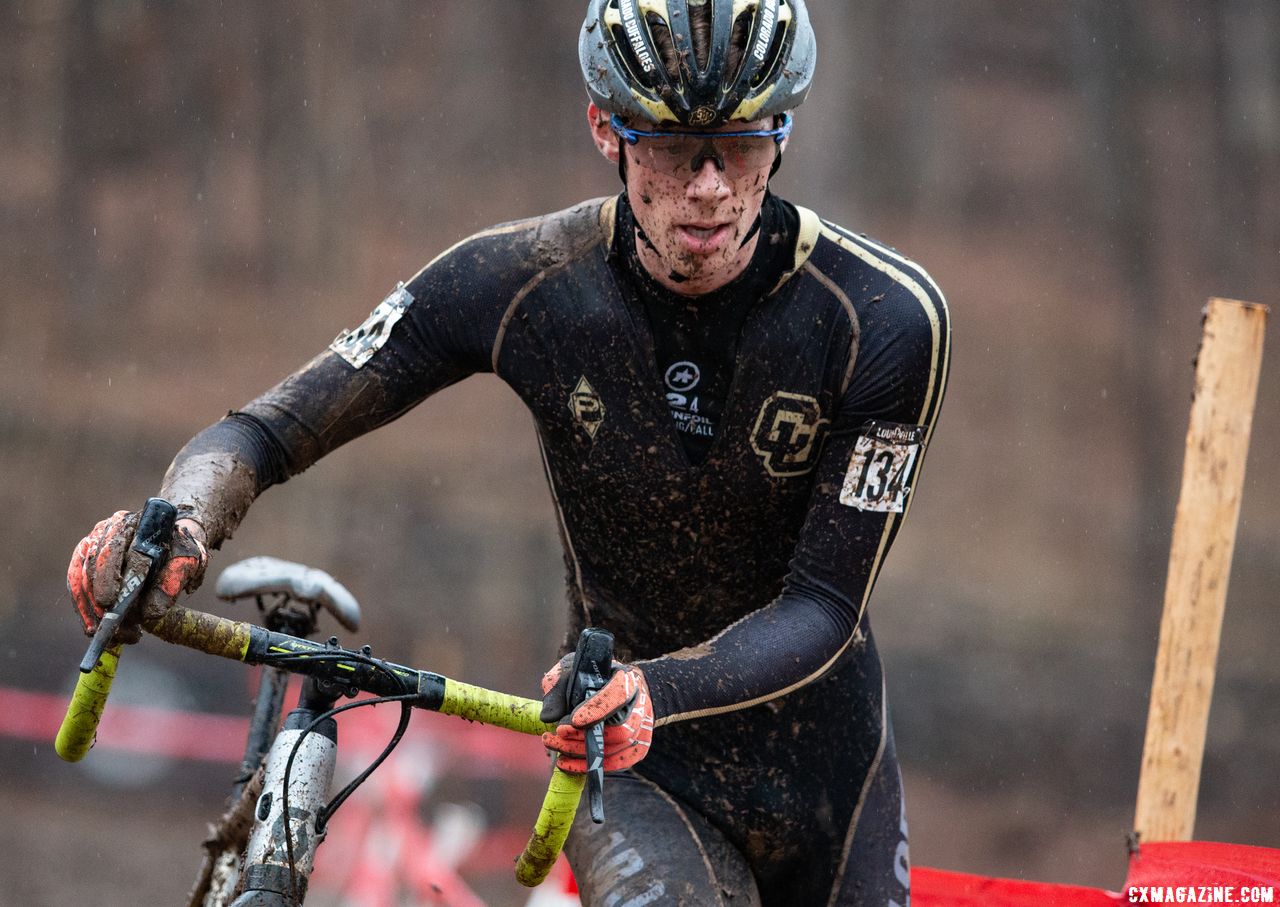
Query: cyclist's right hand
{"x": 623, "y": 704}
{"x": 96, "y": 571}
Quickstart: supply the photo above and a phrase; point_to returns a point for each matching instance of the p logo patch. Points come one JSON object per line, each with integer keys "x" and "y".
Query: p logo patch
{"x": 587, "y": 407}
{"x": 788, "y": 433}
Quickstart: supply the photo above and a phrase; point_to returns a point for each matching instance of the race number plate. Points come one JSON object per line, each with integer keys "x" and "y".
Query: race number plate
{"x": 358, "y": 346}
{"x": 882, "y": 467}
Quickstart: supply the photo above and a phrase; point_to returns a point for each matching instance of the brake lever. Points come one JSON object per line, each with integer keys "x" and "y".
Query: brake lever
{"x": 592, "y": 665}
{"x": 147, "y": 553}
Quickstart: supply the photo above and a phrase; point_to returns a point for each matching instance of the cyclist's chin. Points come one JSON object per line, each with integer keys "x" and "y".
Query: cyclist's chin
{"x": 703, "y": 272}
{"x": 695, "y": 255}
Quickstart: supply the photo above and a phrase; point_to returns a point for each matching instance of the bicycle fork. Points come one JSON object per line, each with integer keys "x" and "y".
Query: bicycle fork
{"x": 268, "y": 880}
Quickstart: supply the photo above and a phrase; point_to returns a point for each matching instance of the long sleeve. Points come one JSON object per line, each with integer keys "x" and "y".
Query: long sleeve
{"x": 424, "y": 336}
{"x": 865, "y": 479}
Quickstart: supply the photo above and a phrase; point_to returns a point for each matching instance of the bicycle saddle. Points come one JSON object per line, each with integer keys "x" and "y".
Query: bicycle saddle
{"x": 263, "y": 575}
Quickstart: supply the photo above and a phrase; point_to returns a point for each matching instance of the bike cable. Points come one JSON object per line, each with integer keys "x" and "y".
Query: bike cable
{"x": 323, "y": 816}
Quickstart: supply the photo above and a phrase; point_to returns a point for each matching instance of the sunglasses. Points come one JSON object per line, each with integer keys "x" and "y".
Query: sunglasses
{"x": 681, "y": 154}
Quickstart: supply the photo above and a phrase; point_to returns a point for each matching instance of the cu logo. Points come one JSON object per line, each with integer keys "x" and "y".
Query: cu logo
{"x": 787, "y": 433}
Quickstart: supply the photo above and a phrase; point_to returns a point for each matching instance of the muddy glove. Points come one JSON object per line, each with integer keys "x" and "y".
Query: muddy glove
{"x": 97, "y": 566}
{"x": 624, "y": 705}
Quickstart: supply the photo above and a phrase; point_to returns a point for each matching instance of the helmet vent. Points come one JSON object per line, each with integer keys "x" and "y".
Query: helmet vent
{"x": 701, "y": 28}
{"x": 677, "y": 69}
{"x": 622, "y": 47}
{"x": 737, "y": 48}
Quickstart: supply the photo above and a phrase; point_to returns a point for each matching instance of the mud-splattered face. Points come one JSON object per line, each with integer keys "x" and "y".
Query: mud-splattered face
{"x": 695, "y": 219}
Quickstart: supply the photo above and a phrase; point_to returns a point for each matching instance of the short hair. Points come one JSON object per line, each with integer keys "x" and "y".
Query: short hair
{"x": 700, "y": 29}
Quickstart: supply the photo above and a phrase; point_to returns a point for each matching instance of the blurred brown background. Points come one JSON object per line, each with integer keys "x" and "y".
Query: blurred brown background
{"x": 197, "y": 197}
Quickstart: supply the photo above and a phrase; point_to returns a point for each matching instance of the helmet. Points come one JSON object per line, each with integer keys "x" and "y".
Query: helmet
{"x": 619, "y": 50}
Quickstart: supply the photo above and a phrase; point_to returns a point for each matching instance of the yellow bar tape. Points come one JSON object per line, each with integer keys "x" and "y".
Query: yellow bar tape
{"x": 230, "y": 639}
{"x": 514, "y": 713}
{"x": 205, "y": 632}
{"x": 194, "y": 629}
{"x": 563, "y": 793}
{"x": 85, "y": 709}
{"x": 552, "y": 827}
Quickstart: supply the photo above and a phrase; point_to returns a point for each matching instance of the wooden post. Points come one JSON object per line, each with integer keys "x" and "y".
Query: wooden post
{"x": 1204, "y": 534}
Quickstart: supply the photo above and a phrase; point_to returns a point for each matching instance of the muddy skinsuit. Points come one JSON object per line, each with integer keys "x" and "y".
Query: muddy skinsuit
{"x": 728, "y": 533}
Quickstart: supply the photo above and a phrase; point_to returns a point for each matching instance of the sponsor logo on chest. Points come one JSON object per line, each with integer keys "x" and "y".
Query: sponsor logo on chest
{"x": 682, "y": 383}
{"x": 587, "y": 407}
{"x": 788, "y": 433}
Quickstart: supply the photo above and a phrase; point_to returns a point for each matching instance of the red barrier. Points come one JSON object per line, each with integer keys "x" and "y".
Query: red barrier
{"x": 938, "y": 888}
{"x": 1205, "y": 865}
{"x": 131, "y": 728}
{"x": 470, "y": 750}
{"x": 1161, "y": 872}
{"x": 1191, "y": 872}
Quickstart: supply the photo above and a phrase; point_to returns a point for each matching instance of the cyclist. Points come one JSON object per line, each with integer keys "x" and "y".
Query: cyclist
{"x": 733, "y": 398}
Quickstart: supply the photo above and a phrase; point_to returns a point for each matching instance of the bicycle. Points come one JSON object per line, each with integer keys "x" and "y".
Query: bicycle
{"x": 290, "y": 775}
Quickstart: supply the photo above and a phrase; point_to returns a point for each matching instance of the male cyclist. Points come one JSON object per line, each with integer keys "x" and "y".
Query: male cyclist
{"x": 733, "y": 399}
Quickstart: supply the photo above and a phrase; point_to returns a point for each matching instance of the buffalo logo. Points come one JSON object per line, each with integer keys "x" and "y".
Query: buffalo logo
{"x": 788, "y": 433}
{"x": 587, "y": 407}
{"x": 702, "y": 116}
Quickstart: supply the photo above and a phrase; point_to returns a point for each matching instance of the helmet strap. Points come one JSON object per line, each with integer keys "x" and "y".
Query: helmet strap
{"x": 644, "y": 238}
{"x": 674, "y": 276}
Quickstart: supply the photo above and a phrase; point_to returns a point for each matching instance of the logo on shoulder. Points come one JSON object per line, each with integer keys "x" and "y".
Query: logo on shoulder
{"x": 587, "y": 407}
{"x": 357, "y": 347}
{"x": 788, "y": 433}
{"x": 882, "y": 467}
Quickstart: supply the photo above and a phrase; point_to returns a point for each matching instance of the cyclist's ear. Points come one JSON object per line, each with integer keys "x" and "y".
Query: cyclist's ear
{"x": 605, "y": 138}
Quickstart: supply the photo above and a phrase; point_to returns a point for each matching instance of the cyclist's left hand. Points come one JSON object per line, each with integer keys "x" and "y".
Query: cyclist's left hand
{"x": 623, "y": 704}
{"x": 96, "y": 571}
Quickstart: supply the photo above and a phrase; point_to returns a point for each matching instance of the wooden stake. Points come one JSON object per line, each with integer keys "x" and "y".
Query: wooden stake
{"x": 1204, "y": 534}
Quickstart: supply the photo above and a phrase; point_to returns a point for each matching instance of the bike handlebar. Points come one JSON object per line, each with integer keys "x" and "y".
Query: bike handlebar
{"x": 85, "y": 709}
{"x": 252, "y": 644}
{"x": 549, "y": 832}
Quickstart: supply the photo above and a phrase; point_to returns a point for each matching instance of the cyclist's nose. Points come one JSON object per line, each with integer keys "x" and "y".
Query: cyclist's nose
{"x": 708, "y": 181}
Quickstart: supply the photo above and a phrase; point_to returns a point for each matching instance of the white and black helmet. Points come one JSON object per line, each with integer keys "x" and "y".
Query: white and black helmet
{"x": 625, "y": 74}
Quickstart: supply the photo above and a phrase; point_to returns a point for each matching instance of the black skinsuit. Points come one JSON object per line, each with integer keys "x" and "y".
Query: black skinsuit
{"x": 736, "y": 572}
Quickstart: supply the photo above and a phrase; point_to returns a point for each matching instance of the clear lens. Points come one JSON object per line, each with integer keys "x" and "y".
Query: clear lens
{"x": 678, "y": 155}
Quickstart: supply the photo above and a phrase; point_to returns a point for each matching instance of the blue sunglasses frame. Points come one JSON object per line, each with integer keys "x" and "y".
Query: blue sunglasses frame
{"x": 632, "y": 136}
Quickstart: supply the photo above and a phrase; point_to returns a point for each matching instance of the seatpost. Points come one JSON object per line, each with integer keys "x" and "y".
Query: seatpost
{"x": 296, "y": 621}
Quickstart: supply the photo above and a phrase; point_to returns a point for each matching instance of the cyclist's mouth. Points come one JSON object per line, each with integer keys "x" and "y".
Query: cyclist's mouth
{"x": 703, "y": 237}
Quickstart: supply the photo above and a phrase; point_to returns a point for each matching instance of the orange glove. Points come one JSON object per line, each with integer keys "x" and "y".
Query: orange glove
{"x": 96, "y": 571}
{"x": 623, "y": 704}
